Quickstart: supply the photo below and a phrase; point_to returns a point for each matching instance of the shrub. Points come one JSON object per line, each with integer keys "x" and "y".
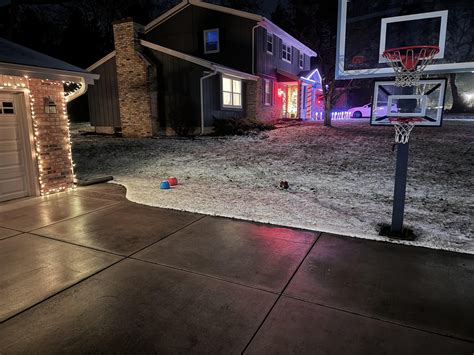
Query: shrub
{"x": 239, "y": 126}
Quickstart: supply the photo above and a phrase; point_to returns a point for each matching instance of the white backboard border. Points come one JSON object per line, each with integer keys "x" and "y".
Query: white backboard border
{"x": 383, "y": 120}
{"x": 342, "y": 74}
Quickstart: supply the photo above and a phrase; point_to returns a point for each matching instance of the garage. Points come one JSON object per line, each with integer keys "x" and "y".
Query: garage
{"x": 15, "y": 165}
{"x": 35, "y": 148}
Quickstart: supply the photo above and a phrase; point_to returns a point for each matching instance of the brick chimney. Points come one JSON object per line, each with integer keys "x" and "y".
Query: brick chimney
{"x": 132, "y": 81}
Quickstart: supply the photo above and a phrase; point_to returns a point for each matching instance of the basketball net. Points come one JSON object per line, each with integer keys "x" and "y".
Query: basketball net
{"x": 409, "y": 63}
{"x": 403, "y": 129}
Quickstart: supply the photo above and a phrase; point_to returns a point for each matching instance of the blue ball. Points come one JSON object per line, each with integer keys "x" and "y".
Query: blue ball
{"x": 164, "y": 185}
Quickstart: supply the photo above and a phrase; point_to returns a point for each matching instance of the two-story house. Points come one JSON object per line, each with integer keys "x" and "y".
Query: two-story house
{"x": 198, "y": 63}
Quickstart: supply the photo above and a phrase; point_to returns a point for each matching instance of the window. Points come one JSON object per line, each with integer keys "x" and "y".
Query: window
{"x": 7, "y": 108}
{"x": 268, "y": 93}
{"x": 286, "y": 52}
{"x": 211, "y": 41}
{"x": 270, "y": 43}
{"x": 301, "y": 60}
{"x": 231, "y": 92}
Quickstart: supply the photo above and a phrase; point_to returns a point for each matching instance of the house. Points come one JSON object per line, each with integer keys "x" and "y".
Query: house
{"x": 197, "y": 63}
{"x": 35, "y": 149}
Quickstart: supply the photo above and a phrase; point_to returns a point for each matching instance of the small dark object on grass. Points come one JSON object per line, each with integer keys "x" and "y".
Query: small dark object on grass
{"x": 94, "y": 181}
{"x": 284, "y": 185}
{"x": 385, "y": 230}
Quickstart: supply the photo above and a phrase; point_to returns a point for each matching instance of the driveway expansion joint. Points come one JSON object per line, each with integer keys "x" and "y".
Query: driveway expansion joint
{"x": 280, "y": 295}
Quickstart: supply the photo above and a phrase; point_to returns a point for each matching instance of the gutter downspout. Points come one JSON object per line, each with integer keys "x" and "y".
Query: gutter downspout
{"x": 253, "y": 47}
{"x": 201, "y": 80}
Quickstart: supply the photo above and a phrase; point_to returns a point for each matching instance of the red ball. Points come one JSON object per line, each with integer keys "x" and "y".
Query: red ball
{"x": 173, "y": 181}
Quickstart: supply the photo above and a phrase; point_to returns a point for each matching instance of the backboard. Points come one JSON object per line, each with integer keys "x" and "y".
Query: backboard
{"x": 425, "y": 102}
{"x": 367, "y": 28}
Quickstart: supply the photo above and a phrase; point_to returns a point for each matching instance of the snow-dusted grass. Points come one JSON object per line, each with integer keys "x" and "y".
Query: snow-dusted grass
{"x": 341, "y": 178}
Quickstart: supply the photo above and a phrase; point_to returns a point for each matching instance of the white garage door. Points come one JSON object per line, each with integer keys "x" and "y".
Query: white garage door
{"x": 13, "y": 172}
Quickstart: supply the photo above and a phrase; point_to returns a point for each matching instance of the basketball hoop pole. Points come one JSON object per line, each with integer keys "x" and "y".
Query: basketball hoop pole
{"x": 408, "y": 64}
{"x": 401, "y": 170}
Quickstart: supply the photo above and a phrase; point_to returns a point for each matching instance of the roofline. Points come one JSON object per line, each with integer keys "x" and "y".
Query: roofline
{"x": 47, "y": 73}
{"x": 311, "y": 74}
{"x": 101, "y": 61}
{"x": 262, "y": 21}
{"x": 177, "y": 54}
{"x": 202, "y": 62}
{"x": 271, "y": 27}
{"x": 166, "y": 15}
{"x": 227, "y": 10}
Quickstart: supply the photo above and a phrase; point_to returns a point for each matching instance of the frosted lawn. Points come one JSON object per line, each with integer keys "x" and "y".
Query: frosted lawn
{"x": 341, "y": 178}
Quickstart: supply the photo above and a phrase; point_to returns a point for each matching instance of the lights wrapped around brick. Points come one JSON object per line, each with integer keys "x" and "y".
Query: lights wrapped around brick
{"x": 44, "y": 188}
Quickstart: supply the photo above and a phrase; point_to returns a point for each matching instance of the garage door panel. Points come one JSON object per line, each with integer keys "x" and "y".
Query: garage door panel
{"x": 9, "y": 146}
{"x": 9, "y": 159}
{"x": 11, "y": 172}
{"x": 13, "y": 186}
{"x": 8, "y": 132}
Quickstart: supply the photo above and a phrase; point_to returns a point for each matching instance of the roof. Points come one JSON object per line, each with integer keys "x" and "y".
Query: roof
{"x": 311, "y": 75}
{"x": 260, "y": 20}
{"x": 199, "y": 61}
{"x": 101, "y": 61}
{"x": 19, "y": 60}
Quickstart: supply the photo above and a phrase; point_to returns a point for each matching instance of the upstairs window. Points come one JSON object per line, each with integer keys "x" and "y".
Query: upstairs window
{"x": 268, "y": 92}
{"x": 301, "y": 60}
{"x": 270, "y": 43}
{"x": 286, "y": 52}
{"x": 211, "y": 41}
{"x": 231, "y": 92}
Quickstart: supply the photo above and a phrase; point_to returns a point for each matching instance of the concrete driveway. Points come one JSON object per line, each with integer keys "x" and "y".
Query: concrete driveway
{"x": 89, "y": 271}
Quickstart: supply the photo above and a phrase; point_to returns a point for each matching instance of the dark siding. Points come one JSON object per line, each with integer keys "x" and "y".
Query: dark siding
{"x": 267, "y": 63}
{"x": 178, "y": 90}
{"x": 212, "y": 102}
{"x": 103, "y": 97}
{"x": 184, "y": 32}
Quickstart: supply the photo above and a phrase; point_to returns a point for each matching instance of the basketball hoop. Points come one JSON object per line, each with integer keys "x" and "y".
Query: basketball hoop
{"x": 403, "y": 127}
{"x": 410, "y": 62}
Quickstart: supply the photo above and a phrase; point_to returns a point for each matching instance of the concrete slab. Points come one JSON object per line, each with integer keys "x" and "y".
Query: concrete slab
{"x": 123, "y": 229}
{"x": 296, "y": 327}
{"x": 34, "y": 268}
{"x": 418, "y": 287}
{"x": 7, "y": 233}
{"x": 107, "y": 191}
{"x": 137, "y": 307}
{"x": 247, "y": 253}
{"x": 49, "y": 210}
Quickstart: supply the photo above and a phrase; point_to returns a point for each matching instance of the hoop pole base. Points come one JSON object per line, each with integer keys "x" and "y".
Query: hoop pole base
{"x": 401, "y": 171}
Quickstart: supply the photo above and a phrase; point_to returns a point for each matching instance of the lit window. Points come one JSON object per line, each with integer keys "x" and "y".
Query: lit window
{"x": 301, "y": 60}
{"x": 286, "y": 52}
{"x": 269, "y": 43}
{"x": 231, "y": 92}
{"x": 211, "y": 41}
{"x": 7, "y": 108}
{"x": 268, "y": 93}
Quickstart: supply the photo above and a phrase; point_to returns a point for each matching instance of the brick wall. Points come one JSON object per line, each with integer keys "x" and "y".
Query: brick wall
{"x": 255, "y": 106}
{"x": 52, "y": 137}
{"x": 132, "y": 79}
